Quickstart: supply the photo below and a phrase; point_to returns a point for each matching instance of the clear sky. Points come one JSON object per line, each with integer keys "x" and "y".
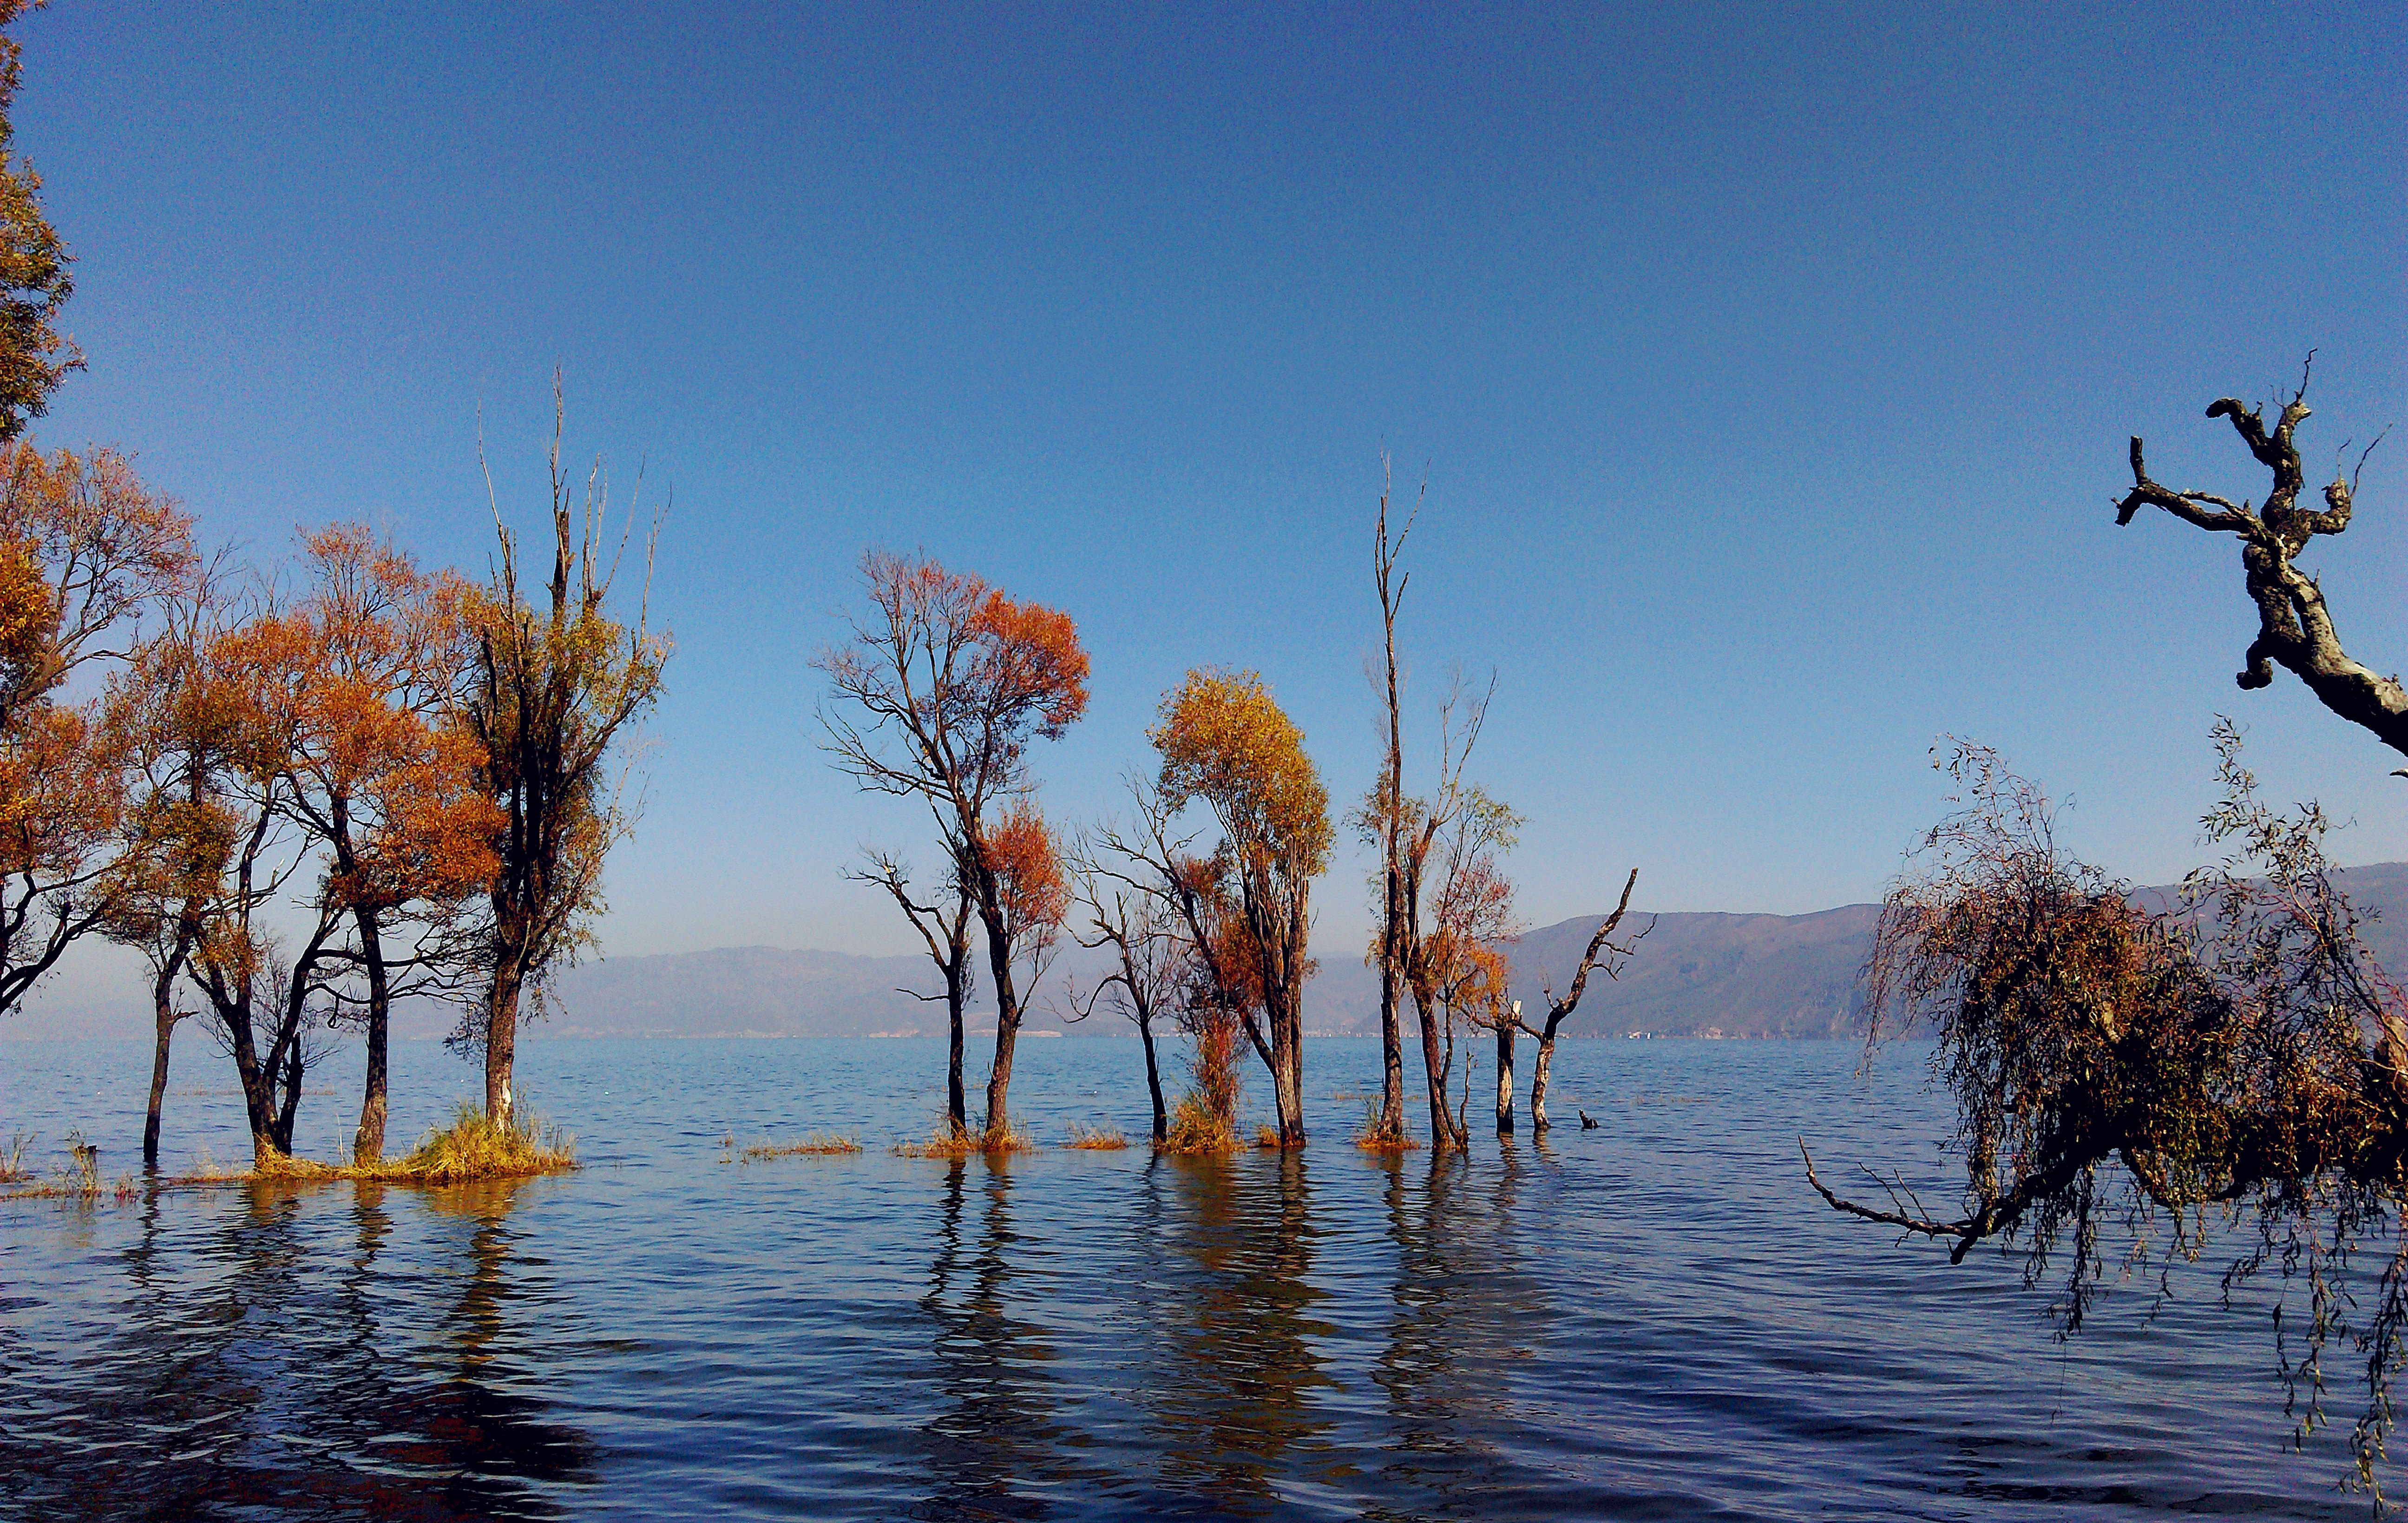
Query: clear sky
{"x": 1772, "y": 370}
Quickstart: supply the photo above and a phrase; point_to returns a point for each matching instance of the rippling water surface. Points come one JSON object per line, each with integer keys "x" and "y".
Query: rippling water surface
{"x": 1652, "y": 1320}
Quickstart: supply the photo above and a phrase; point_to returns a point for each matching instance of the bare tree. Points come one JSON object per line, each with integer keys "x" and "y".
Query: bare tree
{"x": 1408, "y": 832}
{"x": 2295, "y": 627}
{"x": 947, "y": 932}
{"x": 1604, "y": 955}
{"x": 1153, "y": 966}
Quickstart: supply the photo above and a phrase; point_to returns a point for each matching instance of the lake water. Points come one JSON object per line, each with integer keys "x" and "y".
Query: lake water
{"x": 1652, "y": 1320}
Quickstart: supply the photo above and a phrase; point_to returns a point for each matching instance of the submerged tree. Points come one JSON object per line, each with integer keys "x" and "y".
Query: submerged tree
{"x": 1123, "y": 907}
{"x": 2124, "y": 1073}
{"x": 1603, "y": 954}
{"x": 382, "y": 777}
{"x": 1407, "y": 831}
{"x": 944, "y": 923}
{"x": 86, "y": 551}
{"x": 1225, "y": 742}
{"x": 550, "y": 689}
{"x": 942, "y": 690}
{"x": 2295, "y": 626}
{"x": 1457, "y": 971}
{"x": 33, "y": 278}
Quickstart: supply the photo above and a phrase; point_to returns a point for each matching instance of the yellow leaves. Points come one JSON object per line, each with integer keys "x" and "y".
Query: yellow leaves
{"x": 1224, "y": 739}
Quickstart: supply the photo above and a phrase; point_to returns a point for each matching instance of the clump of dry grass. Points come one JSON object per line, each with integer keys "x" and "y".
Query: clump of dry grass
{"x": 12, "y": 1161}
{"x": 471, "y": 1148}
{"x": 950, "y": 1143}
{"x": 1095, "y": 1139}
{"x": 80, "y": 1180}
{"x": 1375, "y": 1138}
{"x": 1196, "y": 1126}
{"x": 1265, "y": 1137}
{"x": 817, "y": 1145}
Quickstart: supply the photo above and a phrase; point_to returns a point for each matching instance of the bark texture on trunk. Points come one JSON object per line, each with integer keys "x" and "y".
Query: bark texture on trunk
{"x": 1154, "y": 1081}
{"x": 1000, "y": 950}
{"x": 367, "y": 1144}
{"x": 163, "y": 1014}
{"x": 501, "y": 1041}
{"x": 1504, "y": 1080}
{"x": 2295, "y": 626}
{"x": 1539, "y": 1083}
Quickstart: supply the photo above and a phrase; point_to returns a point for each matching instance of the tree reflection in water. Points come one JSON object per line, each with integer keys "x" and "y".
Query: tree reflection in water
{"x": 233, "y": 1380}
{"x": 996, "y": 1449}
{"x": 1465, "y": 1312}
{"x": 1233, "y": 1396}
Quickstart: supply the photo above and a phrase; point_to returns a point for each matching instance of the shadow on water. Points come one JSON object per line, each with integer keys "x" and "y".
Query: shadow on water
{"x": 229, "y": 1378}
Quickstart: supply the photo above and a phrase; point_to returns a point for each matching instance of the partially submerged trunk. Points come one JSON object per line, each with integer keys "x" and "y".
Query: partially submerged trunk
{"x": 163, "y": 1009}
{"x": 1539, "y": 1082}
{"x": 1504, "y": 1080}
{"x": 163, "y": 1018}
{"x": 367, "y": 1144}
{"x": 501, "y": 1039}
{"x": 1153, "y": 1080}
{"x": 1007, "y": 1020}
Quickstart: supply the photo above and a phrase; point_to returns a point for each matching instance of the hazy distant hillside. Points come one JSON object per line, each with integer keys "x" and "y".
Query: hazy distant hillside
{"x": 1736, "y": 976}
{"x": 1740, "y": 975}
{"x": 749, "y": 991}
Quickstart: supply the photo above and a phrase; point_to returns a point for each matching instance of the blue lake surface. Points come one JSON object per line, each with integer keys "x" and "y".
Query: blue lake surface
{"x": 1656, "y": 1318}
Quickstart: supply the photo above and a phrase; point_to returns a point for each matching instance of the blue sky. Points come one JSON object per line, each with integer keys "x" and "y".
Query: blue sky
{"x": 1771, "y": 374}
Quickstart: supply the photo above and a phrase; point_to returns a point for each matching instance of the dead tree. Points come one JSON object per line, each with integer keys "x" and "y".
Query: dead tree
{"x": 1152, "y": 969}
{"x": 1604, "y": 953}
{"x": 2295, "y": 627}
{"x": 948, "y": 936}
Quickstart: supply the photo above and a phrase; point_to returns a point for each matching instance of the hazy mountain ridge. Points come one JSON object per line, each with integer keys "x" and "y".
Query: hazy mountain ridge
{"x": 1694, "y": 974}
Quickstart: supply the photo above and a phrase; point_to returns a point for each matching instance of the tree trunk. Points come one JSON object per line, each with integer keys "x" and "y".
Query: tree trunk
{"x": 258, "y": 1088}
{"x": 291, "y": 1108}
{"x": 1434, "y": 1065}
{"x": 1539, "y": 1082}
{"x": 1392, "y": 1041}
{"x": 1006, "y": 1022}
{"x": 1287, "y": 1074}
{"x": 367, "y": 1146}
{"x": 162, "y": 1010}
{"x": 1154, "y": 1081}
{"x": 956, "y": 1107}
{"x": 1504, "y": 1080}
{"x": 501, "y": 1039}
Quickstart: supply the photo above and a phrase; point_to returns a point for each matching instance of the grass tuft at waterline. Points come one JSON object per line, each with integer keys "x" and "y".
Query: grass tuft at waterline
{"x": 1087, "y": 1139}
{"x": 816, "y": 1145}
{"x": 948, "y": 1142}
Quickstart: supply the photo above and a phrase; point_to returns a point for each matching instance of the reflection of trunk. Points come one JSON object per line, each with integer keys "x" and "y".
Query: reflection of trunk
{"x": 368, "y": 1146}
{"x": 1153, "y": 1079}
{"x": 1539, "y": 1082}
{"x": 1504, "y": 1080}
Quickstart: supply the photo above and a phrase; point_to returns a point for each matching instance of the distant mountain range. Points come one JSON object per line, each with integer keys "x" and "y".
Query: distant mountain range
{"x": 1701, "y": 976}
{"x": 1729, "y": 975}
